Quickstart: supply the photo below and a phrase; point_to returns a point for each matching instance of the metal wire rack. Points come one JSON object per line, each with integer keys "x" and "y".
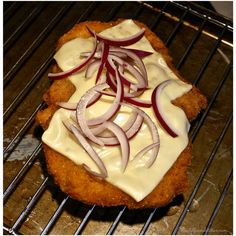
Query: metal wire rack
{"x": 200, "y": 42}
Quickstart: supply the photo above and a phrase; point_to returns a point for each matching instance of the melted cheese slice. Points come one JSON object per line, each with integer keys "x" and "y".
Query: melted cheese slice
{"x": 137, "y": 180}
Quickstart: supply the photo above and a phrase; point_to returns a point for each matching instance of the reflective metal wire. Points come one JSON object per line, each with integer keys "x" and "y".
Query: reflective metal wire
{"x": 22, "y": 172}
{"x": 116, "y": 221}
{"x": 8, "y": 112}
{"x": 189, "y": 48}
{"x": 20, "y": 29}
{"x": 202, "y": 175}
{"x": 30, "y": 205}
{"x": 8, "y": 76}
{"x": 219, "y": 203}
{"x": 85, "y": 220}
{"x": 15, "y": 6}
{"x": 55, "y": 216}
{"x": 174, "y": 31}
{"x": 210, "y": 55}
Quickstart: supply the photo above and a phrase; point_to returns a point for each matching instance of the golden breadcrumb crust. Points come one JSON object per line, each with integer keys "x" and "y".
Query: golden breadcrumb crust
{"x": 74, "y": 179}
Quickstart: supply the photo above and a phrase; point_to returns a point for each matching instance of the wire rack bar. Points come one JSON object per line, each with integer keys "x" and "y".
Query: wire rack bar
{"x": 42, "y": 69}
{"x": 20, "y": 134}
{"x": 174, "y": 31}
{"x": 88, "y": 12}
{"x": 114, "y": 11}
{"x": 38, "y": 40}
{"x": 210, "y": 104}
{"x": 138, "y": 12}
{"x": 8, "y": 231}
{"x": 219, "y": 203}
{"x": 148, "y": 222}
{"x": 20, "y": 29}
{"x": 30, "y": 205}
{"x": 209, "y": 57}
{"x": 55, "y": 216}
{"x": 24, "y": 92}
{"x": 85, "y": 220}
{"x": 18, "y": 99}
{"x": 21, "y": 173}
{"x": 116, "y": 221}
{"x": 198, "y": 14}
{"x": 155, "y": 23}
{"x": 202, "y": 175}
{"x": 189, "y": 48}
{"x": 11, "y": 11}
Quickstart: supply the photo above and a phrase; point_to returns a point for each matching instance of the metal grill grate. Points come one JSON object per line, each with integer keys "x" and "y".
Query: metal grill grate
{"x": 200, "y": 42}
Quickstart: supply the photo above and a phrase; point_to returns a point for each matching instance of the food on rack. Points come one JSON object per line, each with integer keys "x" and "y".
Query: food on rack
{"x": 117, "y": 121}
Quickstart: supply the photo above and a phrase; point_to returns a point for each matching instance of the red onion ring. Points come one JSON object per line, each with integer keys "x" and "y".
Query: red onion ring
{"x": 130, "y": 122}
{"x": 132, "y": 70}
{"x": 141, "y": 153}
{"x": 80, "y": 112}
{"x": 64, "y": 74}
{"x": 123, "y": 140}
{"x": 154, "y": 131}
{"x": 119, "y": 42}
{"x": 67, "y": 105}
{"x": 136, "y": 60}
{"x": 138, "y": 102}
{"x": 165, "y": 123}
{"x": 105, "y": 53}
{"x": 140, "y": 53}
{"x": 114, "y": 107}
{"x": 131, "y": 132}
{"x": 92, "y": 67}
{"x": 92, "y": 153}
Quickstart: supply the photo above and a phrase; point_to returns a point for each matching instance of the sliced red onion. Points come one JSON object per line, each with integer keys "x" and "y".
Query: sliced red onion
{"x": 67, "y": 124}
{"x": 94, "y": 99}
{"x": 110, "y": 94}
{"x": 114, "y": 107}
{"x": 132, "y": 70}
{"x": 89, "y": 149}
{"x": 81, "y": 110}
{"x": 138, "y": 102}
{"x": 67, "y": 105}
{"x": 160, "y": 114}
{"x": 64, "y": 74}
{"x": 141, "y": 153}
{"x": 130, "y": 132}
{"x": 120, "y": 42}
{"x": 153, "y": 128}
{"x": 92, "y": 67}
{"x": 105, "y": 53}
{"x": 123, "y": 140}
{"x": 140, "y": 53}
{"x": 119, "y": 54}
{"x": 100, "y": 175}
{"x": 110, "y": 71}
{"x": 73, "y": 106}
{"x": 73, "y": 116}
{"x": 97, "y": 54}
{"x": 136, "y": 61}
{"x": 130, "y": 122}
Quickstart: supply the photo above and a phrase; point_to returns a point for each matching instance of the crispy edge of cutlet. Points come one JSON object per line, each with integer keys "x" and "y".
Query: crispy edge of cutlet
{"x": 74, "y": 179}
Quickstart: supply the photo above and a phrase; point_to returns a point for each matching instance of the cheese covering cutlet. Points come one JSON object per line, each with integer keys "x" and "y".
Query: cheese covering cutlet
{"x": 73, "y": 179}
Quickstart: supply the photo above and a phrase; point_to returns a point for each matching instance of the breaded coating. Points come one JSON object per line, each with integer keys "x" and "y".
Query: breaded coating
{"x": 74, "y": 179}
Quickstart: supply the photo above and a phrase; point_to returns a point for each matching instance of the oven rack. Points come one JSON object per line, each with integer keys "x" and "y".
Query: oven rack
{"x": 32, "y": 60}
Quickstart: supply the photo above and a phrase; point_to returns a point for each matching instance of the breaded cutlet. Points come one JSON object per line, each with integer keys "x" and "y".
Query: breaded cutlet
{"x": 73, "y": 179}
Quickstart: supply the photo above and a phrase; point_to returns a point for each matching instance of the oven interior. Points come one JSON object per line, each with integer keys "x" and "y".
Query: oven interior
{"x": 201, "y": 44}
